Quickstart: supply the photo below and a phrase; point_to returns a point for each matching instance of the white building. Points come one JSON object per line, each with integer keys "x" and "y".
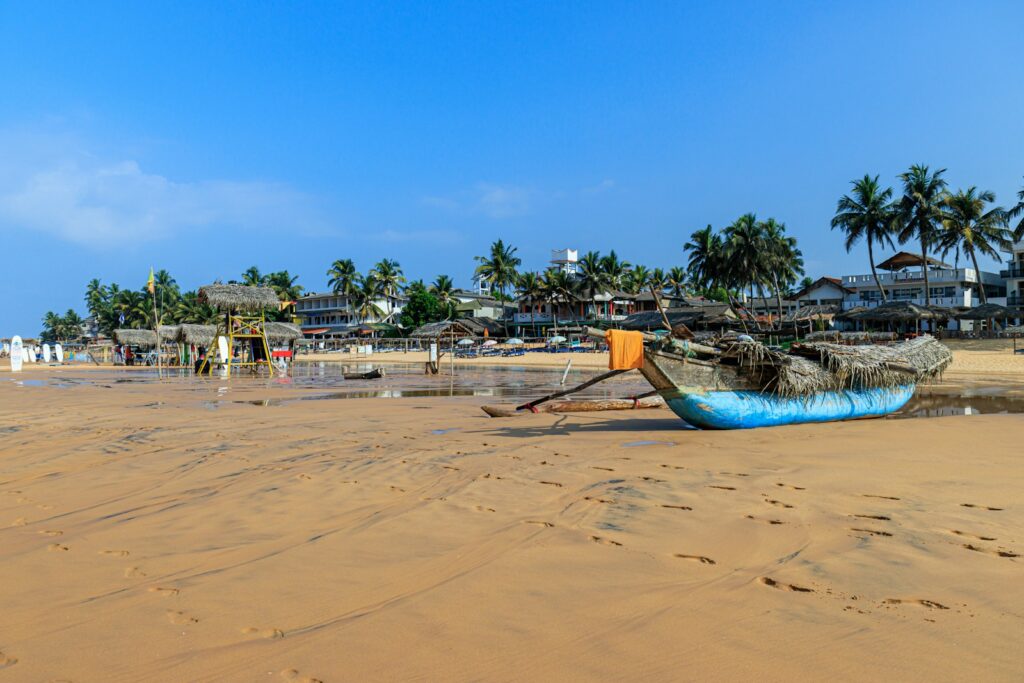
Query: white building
{"x": 1014, "y": 276}
{"x": 902, "y": 276}
{"x": 566, "y": 260}
{"x": 332, "y": 314}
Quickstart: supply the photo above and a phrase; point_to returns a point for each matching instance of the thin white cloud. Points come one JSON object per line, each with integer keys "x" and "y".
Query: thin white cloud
{"x": 77, "y": 196}
{"x": 427, "y": 236}
{"x": 489, "y": 199}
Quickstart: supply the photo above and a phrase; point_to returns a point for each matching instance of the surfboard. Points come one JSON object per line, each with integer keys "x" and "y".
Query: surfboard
{"x": 58, "y": 351}
{"x": 17, "y": 354}
{"x": 46, "y": 353}
{"x": 222, "y": 346}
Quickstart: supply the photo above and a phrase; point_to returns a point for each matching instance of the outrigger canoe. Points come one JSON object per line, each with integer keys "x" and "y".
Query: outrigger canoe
{"x": 744, "y": 384}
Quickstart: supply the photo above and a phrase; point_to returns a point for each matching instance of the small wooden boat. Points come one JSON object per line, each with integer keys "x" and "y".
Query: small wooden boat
{"x": 743, "y": 384}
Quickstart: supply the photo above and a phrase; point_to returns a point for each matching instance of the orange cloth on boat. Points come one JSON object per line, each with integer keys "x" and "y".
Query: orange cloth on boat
{"x": 626, "y": 350}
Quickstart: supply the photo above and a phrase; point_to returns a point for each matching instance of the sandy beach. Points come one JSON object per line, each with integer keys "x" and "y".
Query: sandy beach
{"x": 193, "y": 530}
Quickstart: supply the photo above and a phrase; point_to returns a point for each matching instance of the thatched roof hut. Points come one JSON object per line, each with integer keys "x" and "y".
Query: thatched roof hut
{"x": 238, "y": 297}
{"x": 200, "y": 335}
{"x": 135, "y": 337}
{"x": 282, "y": 333}
{"x": 441, "y": 328}
{"x": 902, "y": 311}
{"x": 987, "y": 312}
{"x": 169, "y": 333}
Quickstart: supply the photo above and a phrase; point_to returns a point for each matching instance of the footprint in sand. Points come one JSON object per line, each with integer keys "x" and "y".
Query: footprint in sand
{"x": 164, "y": 592}
{"x": 7, "y": 660}
{"x": 51, "y": 532}
{"x": 723, "y": 488}
{"x": 607, "y": 501}
{"x": 450, "y": 467}
{"x": 872, "y": 495}
{"x": 538, "y": 523}
{"x": 398, "y": 488}
{"x": 654, "y": 480}
{"x": 115, "y": 553}
{"x": 293, "y": 676}
{"x": 981, "y": 507}
{"x": 45, "y": 507}
{"x": 481, "y": 508}
{"x": 180, "y": 618}
{"x": 768, "y": 521}
{"x": 604, "y": 541}
{"x": 675, "y": 507}
{"x": 695, "y": 558}
{"x": 606, "y": 469}
{"x": 268, "y": 633}
{"x": 777, "y": 503}
{"x": 56, "y": 548}
{"x": 790, "y": 486}
{"x": 792, "y": 587}
{"x": 930, "y": 604}
{"x": 303, "y": 475}
{"x": 998, "y": 553}
{"x": 552, "y": 483}
{"x": 980, "y": 538}
{"x": 880, "y": 518}
{"x": 134, "y": 573}
{"x": 674, "y": 467}
{"x": 870, "y": 532}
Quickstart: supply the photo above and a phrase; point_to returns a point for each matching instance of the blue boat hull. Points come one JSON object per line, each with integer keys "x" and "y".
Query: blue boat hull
{"x": 748, "y": 409}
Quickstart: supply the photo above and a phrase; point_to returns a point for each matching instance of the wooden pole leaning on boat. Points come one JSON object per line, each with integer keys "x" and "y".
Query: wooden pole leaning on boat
{"x": 499, "y": 411}
{"x": 694, "y": 346}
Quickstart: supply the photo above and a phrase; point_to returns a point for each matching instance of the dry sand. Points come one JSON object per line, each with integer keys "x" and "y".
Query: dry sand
{"x": 172, "y": 532}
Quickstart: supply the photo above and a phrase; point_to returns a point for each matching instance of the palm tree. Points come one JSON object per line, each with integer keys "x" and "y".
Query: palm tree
{"x": 591, "y": 276}
{"x": 558, "y": 286}
{"x": 705, "y": 261}
{"x": 867, "y": 214}
{"x": 190, "y": 310}
{"x": 1018, "y": 210}
{"x": 676, "y": 281}
{"x": 614, "y": 269}
{"x": 51, "y": 326}
{"x": 500, "y": 268}
{"x": 745, "y": 256}
{"x": 95, "y": 293}
{"x": 342, "y": 276}
{"x": 288, "y": 292}
{"x": 967, "y": 226}
{"x": 443, "y": 288}
{"x": 783, "y": 259}
{"x": 530, "y": 287}
{"x": 364, "y": 298}
{"x": 388, "y": 276}
{"x": 253, "y": 277}
{"x": 636, "y": 279}
{"x": 70, "y": 325}
{"x": 920, "y": 212}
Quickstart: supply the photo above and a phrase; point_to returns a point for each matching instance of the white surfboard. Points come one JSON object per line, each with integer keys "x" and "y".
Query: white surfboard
{"x": 30, "y": 354}
{"x": 46, "y": 353}
{"x": 58, "y": 351}
{"x": 222, "y": 346}
{"x": 17, "y": 354}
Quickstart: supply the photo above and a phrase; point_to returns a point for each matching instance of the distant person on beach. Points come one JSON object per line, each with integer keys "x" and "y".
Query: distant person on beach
{"x": 129, "y": 357}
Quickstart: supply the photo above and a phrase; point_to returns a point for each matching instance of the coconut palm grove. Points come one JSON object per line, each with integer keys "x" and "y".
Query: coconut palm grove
{"x": 732, "y": 264}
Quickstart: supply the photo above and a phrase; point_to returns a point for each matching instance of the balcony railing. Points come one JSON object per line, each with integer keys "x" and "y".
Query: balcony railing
{"x": 935, "y": 277}
{"x": 1015, "y": 301}
{"x": 944, "y": 301}
{"x": 1015, "y": 270}
{"x": 545, "y": 318}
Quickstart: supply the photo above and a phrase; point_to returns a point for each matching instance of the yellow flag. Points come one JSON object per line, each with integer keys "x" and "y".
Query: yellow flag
{"x": 151, "y": 283}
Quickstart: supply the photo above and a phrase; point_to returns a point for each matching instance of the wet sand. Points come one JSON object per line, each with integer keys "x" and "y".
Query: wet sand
{"x": 181, "y": 530}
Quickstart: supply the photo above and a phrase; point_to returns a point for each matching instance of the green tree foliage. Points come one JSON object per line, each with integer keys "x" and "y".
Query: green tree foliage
{"x": 422, "y": 308}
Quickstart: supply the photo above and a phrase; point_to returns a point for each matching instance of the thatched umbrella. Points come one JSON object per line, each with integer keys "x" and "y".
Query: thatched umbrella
{"x": 238, "y": 297}
{"x": 200, "y": 335}
{"x": 135, "y": 337}
{"x": 987, "y": 312}
{"x": 278, "y": 333}
{"x": 901, "y": 311}
{"x": 169, "y": 333}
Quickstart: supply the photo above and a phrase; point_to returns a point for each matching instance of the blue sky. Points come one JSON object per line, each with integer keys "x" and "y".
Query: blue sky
{"x": 205, "y": 139}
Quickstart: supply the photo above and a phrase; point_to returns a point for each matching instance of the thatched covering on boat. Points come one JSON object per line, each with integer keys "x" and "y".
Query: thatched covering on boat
{"x": 851, "y": 337}
{"x": 200, "y": 335}
{"x": 825, "y": 366}
{"x": 135, "y": 337}
{"x": 238, "y": 297}
{"x": 813, "y": 312}
{"x": 168, "y": 333}
{"x": 279, "y": 333}
{"x": 987, "y": 312}
{"x": 902, "y": 311}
